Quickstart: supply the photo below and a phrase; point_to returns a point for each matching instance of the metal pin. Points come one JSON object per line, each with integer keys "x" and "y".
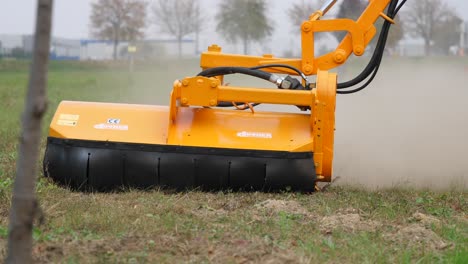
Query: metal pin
{"x": 327, "y": 6}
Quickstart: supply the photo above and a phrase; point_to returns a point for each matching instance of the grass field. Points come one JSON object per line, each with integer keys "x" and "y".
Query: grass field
{"x": 339, "y": 225}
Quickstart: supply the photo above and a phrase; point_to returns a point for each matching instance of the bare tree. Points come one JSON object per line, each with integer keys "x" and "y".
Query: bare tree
{"x": 244, "y": 20}
{"x": 178, "y": 18}
{"x": 448, "y": 33}
{"x": 24, "y": 203}
{"x": 424, "y": 17}
{"x": 118, "y": 20}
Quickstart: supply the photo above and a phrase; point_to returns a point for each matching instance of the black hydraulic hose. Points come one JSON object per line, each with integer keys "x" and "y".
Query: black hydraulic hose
{"x": 299, "y": 72}
{"x": 378, "y": 53}
{"x": 230, "y": 104}
{"x": 376, "y": 69}
{"x": 370, "y": 66}
{"x": 363, "y": 86}
{"x": 232, "y": 70}
{"x": 400, "y": 6}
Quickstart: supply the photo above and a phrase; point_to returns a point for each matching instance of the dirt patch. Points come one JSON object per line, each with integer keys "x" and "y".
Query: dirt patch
{"x": 419, "y": 236}
{"x": 425, "y": 220}
{"x": 206, "y": 211}
{"x": 103, "y": 250}
{"x": 463, "y": 219}
{"x": 252, "y": 251}
{"x": 348, "y": 220}
{"x": 44, "y": 253}
{"x": 419, "y": 233}
{"x": 277, "y": 206}
{"x": 233, "y": 249}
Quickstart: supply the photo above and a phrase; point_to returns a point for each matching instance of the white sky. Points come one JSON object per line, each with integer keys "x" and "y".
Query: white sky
{"x": 71, "y": 20}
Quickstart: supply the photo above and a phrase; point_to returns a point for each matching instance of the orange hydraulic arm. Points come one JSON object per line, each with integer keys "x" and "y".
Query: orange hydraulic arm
{"x": 361, "y": 32}
{"x": 207, "y": 89}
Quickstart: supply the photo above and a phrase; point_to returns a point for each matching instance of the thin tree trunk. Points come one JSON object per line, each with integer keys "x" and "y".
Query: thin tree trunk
{"x": 114, "y": 54}
{"x": 246, "y": 46}
{"x": 179, "y": 42}
{"x": 427, "y": 47}
{"x": 197, "y": 39}
{"x": 24, "y": 203}
{"x": 116, "y": 41}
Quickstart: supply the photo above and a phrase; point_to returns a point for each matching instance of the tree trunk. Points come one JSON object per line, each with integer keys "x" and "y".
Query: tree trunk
{"x": 427, "y": 47}
{"x": 246, "y": 46}
{"x": 179, "y": 43}
{"x": 116, "y": 40}
{"x": 24, "y": 204}
{"x": 197, "y": 39}
{"x": 114, "y": 54}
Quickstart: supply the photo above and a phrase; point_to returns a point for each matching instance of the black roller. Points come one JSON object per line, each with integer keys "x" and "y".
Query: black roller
{"x": 106, "y": 166}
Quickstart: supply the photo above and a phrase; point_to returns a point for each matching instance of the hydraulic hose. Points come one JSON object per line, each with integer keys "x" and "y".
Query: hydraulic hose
{"x": 376, "y": 59}
{"x": 233, "y": 70}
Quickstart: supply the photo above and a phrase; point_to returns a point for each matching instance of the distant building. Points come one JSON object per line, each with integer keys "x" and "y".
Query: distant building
{"x": 90, "y": 49}
{"x": 10, "y": 43}
{"x": 65, "y": 49}
{"x": 146, "y": 49}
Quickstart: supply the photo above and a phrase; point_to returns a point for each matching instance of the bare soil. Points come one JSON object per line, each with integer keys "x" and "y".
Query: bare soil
{"x": 349, "y": 220}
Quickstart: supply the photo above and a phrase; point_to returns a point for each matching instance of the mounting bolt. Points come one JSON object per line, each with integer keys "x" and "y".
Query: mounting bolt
{"x": 306, "y": 26}
{"x": 200, "y": 81}
{"x": 212, "y": 102}
{"x": 214, "y": 84}
{"x": 308, "y": 69}
{"x": 359, "y": 50}
{"x": 184, "y": 101}
{"x": 185, "y": 82}
{"x": 339, "y": 56}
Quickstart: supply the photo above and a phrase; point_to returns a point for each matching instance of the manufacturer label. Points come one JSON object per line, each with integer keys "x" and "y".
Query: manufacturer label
{"x": 66, "y": 123}
{"x": 111, "y": 127}
{"x": 245, "y": 134}
{"x": 68, "y": 120}
{"x": 69, "y": 117}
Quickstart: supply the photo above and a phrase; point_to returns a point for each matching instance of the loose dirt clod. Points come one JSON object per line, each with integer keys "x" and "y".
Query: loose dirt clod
{"x": 276, "y": 206}
{"x": 350, "y": 222}
{"x": 425, "y": 220}
{"x": 418, "y": 235}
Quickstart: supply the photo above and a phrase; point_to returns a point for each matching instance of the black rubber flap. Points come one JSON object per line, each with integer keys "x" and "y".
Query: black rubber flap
{"x": 107, "y": 166}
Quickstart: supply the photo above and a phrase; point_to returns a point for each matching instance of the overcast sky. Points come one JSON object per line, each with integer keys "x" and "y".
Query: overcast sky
{"x": 71, "y": 20}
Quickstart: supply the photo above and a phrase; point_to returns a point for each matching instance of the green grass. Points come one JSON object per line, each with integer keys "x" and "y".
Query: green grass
{"x": 162, "y": 226}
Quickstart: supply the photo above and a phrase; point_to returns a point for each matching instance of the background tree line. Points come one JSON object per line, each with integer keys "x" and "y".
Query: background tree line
{"x": 247, "y": 21}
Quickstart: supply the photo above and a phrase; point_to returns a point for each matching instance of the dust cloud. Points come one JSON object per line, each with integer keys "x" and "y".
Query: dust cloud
{"x": 409, "y": 128}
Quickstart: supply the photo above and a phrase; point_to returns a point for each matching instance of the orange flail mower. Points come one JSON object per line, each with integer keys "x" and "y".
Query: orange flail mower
{"x": 211, "y": 136}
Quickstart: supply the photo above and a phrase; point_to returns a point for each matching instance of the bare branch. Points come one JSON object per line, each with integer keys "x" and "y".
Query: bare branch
{"x": 424, "y": 17}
